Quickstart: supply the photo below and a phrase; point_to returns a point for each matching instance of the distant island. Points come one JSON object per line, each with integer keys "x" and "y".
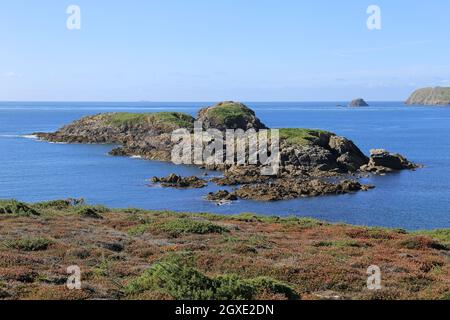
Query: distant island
{"x": 358, "y": 103}
{"x": 438, "y": 96}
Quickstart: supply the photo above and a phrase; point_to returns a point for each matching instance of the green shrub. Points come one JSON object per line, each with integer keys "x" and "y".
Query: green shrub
{"x": 17, "y": 208}
{"x": 91, "y": 211}
{"x": 59, "y": 204}
{"x": 29, "y": 244}
{"x": 181, "y": 282}
{"x": 178, "y": 226}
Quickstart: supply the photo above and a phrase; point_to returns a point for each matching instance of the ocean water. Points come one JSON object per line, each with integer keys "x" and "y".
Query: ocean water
{"x": 32, "y": 170}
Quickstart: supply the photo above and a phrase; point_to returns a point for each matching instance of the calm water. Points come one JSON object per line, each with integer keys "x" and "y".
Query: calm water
{"x": 33, "y": 171}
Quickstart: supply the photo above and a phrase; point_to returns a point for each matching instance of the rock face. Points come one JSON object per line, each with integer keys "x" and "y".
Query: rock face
{"x": 382, "y": 161}
{"x": 358, "y": 103}
{"x": 326, "y": 152}
{"x": 430, "y": 96}
{"x": 175, "y": 181}
{"x": 230, "y": 115}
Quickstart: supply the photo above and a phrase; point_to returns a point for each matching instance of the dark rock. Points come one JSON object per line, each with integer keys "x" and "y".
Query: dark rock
{"x": 175, "y": 181}
{"x": 382, "y": 161}
{"x": 285, "y": 189}
{"x": 221, "y": 195}
{"x": 358, "y": 103}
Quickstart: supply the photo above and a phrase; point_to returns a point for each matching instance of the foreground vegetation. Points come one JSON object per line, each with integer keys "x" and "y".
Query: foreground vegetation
{"x": 139, "y": 254}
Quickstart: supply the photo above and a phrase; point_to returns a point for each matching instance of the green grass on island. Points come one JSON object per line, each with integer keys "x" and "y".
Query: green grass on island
{"x": 301, "y": 136}
{"x": 179, "y": 119}
{"x": 229, "y": 112}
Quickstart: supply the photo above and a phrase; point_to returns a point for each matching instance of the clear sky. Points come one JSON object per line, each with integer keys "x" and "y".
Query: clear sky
{"x": 211, "y": 50}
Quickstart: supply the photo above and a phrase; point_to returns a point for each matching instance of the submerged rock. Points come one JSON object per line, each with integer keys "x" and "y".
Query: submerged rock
{"x": 176, "y": 181}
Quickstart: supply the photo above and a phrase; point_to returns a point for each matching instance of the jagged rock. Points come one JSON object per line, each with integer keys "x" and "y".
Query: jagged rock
{"x": 286, "y": 189}
{"x": 358, "y": 103}
{"x": 221, "y": 195}
{"x": 176, "y": 181}
{"x": 240, "y": 175}
{"x": 382, "y": 161}
{"x": 430, "y": 96}
{"x": 229, "y": 115}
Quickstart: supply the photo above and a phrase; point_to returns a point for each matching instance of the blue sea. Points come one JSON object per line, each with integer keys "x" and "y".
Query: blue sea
{"x": 32, "y": 170}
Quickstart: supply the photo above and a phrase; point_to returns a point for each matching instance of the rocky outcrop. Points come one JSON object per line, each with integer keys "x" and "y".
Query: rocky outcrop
{"x": 358, "y": 103}
{"x": 330, "y": 152}
{"x": 229, "y": 115}
{"x": 430, "y": 96}
{"x": 382, "y": 161}
{"x": 175, "y": 181}
{"x": 307, "y": 156}
{"x": 221, "y": 195}
{"x": 292, "y": 189}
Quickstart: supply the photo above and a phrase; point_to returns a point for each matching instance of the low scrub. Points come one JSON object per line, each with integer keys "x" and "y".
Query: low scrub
{"x": 29, "y": 244}
{"x": 17, "y": 208}
{"x": 93, "y": 212}
{"x": 181, "y": 282}
{"x": 179, "y": 226}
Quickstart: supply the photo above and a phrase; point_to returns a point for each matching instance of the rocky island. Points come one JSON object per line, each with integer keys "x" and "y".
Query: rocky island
{"x": 312, "y": 162}
{"x": 358, "y": 103}
{"x": 438, "y": 96}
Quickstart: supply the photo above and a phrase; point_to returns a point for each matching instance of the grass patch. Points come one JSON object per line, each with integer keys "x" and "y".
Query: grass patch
{"x": 17, "y": 208}
{"x": 299, "y": 136}
{"x": 230, "y": 112}
{"x": 182, "y": 282}
{"x": 29, "y": 244}
{"x": 138, "y": 230}
{"x": 179, "y": 226}
{"x": 179, "y": 119}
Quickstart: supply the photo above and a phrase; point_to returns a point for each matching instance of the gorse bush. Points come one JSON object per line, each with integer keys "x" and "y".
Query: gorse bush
{"x": 91, "y": 211}
{"x": 178, "y": 226}
{"x": 182, "y": 282}
{"x": 17, "y": 208}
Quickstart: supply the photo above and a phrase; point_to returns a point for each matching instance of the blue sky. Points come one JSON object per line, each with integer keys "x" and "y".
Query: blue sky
{"x": 211, "y": 50}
